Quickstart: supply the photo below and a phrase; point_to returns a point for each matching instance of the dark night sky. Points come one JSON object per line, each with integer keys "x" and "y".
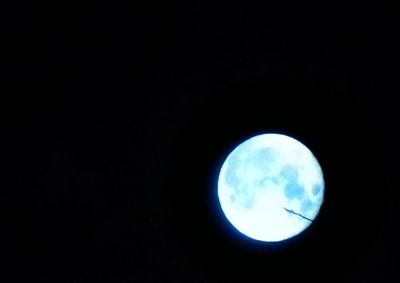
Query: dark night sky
{"x": 115, "y": 117}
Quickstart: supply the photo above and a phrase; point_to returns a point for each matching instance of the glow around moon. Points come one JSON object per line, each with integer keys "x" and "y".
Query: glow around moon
{"x": 271, "y": 187}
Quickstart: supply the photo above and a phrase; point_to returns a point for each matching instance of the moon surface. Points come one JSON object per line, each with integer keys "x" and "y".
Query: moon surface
{"x": 271, "y": 187}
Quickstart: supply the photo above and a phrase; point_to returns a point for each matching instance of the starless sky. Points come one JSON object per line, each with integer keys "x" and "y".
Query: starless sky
{"x": 116, "y": 116}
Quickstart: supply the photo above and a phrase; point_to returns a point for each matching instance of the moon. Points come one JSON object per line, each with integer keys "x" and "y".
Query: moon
{"x": 271, "y": 187}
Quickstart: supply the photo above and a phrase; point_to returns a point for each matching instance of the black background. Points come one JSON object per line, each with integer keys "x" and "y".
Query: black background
{"x": 115, "y": 118}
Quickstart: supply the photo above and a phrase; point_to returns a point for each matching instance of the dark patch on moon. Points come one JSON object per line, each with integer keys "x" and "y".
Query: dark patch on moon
{"x": 316, "y": 189}
{"x": 231, "y": 177}
{"x": 262, "y": 158}
{"x": 290, "y": 173}
{"x": 255, "y": 161}
{"x": 243, "y": 196}
{"x": 294, "y": 190}
{"x": 306, "y": 205}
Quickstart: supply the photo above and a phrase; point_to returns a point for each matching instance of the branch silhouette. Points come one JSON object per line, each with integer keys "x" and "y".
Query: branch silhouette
{"x": 298, "y": 214}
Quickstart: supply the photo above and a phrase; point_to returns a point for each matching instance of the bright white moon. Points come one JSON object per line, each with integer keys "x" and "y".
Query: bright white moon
{"x": 271, "y": 187}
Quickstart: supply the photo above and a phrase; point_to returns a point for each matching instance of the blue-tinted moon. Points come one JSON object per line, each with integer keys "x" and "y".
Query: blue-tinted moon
{"x": 271, "y": 187}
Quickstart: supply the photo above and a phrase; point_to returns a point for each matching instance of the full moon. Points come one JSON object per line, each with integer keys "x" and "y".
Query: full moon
{"x": 271, "y": 187}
